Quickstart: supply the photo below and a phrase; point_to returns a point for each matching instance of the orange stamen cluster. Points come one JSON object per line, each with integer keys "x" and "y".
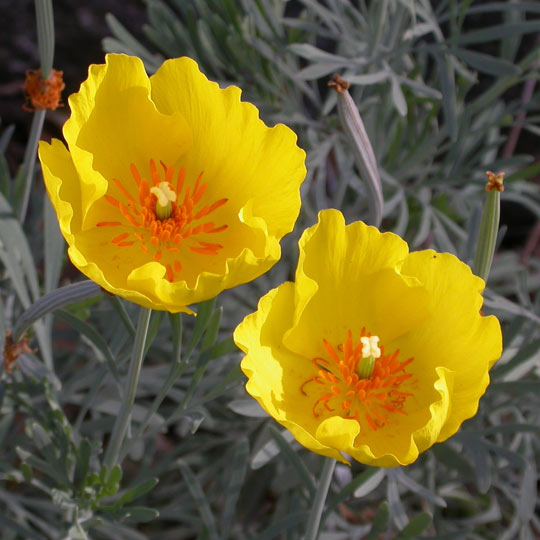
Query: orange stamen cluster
{"x": 346, "y": 394}
{"x": 43, "y": 93}
{"x": 163, "y": 239}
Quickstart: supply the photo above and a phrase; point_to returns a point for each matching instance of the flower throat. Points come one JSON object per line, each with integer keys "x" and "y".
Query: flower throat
{"x": 359, "y": 381}
{"x": 159, "y": 223}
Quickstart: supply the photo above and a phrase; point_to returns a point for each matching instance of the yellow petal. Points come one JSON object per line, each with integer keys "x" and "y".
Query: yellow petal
{"x": 222, "y": 168}
{"x": 275, "y": 375}
{"x": 114, "y": 124}
{"x": 255, "y": 162}
{"x": 359, "y": 268}
{"x": 63, "y": 186}
{"x": 404, "y": 438}
{"x": 456, "y": 336}
{"x": 303, "y": 345}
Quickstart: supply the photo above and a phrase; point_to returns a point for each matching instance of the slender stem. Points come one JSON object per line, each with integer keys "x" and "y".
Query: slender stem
{"x": 45, "y": 32}
{"x": 175, "y": 372}
{"x": 320, "y": 497}
{"x": 30, "y": 160}
{"x": 124, "y": 416}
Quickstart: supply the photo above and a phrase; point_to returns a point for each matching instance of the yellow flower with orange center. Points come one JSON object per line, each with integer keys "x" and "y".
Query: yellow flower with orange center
{"x": 171, "y": 189}
{"x": 373, "y": 352}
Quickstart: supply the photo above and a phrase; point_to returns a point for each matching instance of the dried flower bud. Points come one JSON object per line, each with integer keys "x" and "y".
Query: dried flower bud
{"x": 12, "y": 350}
{"x": 365, "y": 158}
{"x": 43, "y": 93}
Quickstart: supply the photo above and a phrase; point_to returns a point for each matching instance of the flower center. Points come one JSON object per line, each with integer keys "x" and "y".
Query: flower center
{"x": 359, "y": 381}
{"x": 159, "y": 223}
{"x": 370, "y": 351}
{"x": 165, "y": 195}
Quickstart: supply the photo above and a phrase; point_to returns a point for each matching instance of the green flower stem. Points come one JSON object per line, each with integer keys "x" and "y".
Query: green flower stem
{"x": 29, "y": 162}
{"x": 175, "y": 372}
{"x": 45, "y": 33}
{"x": 320, "y": 497}
{"x": 489, "y": 227}
{"x": 124, "y": 416}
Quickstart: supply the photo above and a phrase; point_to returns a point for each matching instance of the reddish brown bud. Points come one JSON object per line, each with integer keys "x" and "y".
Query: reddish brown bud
{"x": 43, "y": 93}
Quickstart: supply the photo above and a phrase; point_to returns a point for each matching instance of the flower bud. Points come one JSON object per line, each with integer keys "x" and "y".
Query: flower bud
{"x": 489, "y": 226}
{"x": 365, "y": 158}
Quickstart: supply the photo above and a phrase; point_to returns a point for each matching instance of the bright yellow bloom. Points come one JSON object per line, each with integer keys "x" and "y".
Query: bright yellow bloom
{"x": 172, "y": 189}
{"x": 373, "y": 352}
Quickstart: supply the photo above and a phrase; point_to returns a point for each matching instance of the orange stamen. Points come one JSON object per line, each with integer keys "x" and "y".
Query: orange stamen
{"x": 180, "y": 180}
{"x": 372, "y": 400}
{"x": 135, "y": 174}
{"x": 119, "y": 238}
{"x": 127, "y": 195}
{"x": 160, "y": 238}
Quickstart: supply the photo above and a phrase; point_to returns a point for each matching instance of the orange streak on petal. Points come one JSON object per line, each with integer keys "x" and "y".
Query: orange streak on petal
{"x": 330, "y": 350}
{"x": 218, "y": 229}
{"x": 371, "y": 422}
{"x": 126, "y": 193}
{"x": 180, "y": 180}
{"x": 112, "y": 200}
{"x": 125, "y": 212}
{"x": 186, "y": 197}
{"x": 135, "y": 174}
{"x": 203, "y": 250}
{"x": 154, "y": 173}
{"x": 119, "y": 238}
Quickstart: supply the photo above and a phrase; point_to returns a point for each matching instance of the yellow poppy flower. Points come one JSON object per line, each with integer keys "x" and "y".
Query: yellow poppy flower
{"x": 373, "y": 352}
{"x": 172, "y": 189}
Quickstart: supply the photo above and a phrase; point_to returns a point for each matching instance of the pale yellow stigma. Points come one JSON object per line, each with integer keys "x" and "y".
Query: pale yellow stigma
{"x": 165, "y": 195}
{"x": 370, "y": 351}
{"x": 370, "y": 347}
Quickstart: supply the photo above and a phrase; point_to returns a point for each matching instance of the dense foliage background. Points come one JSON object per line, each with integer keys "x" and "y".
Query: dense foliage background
{"x": 447, "y": 90}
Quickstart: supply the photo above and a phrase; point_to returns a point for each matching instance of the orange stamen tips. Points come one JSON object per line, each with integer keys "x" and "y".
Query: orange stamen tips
{"x": 369, "y": 400}
{"x": 43, "y": 93}
{"x": 139, "y": 209}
